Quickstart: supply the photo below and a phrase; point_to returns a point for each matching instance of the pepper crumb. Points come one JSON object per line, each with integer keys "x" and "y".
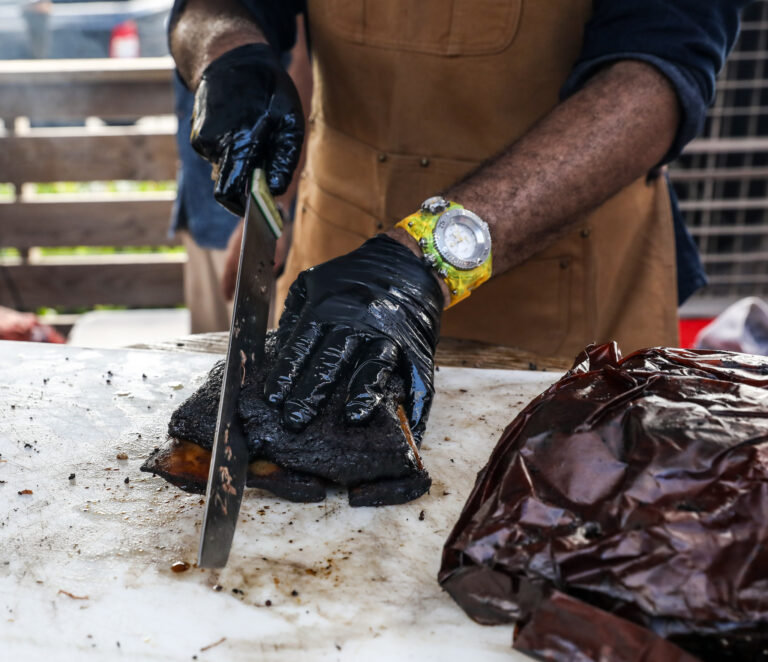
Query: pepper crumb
{"x": 217, "y": 587}
{"x": 127, "y": 480}
{"x": 294, "y": 593}
{"x": 25, "y": 492}
{"x": 422, "y": 515}
{"x": 268, "y": 603}
{"x": 71, "y": 476}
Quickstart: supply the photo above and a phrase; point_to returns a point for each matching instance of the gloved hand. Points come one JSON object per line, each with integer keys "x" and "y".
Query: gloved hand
{"x": 366, "y": 314}
{"x": 247, "y": 114}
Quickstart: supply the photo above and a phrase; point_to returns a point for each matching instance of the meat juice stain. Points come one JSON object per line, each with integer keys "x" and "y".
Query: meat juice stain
{"x": 179, "y": 566}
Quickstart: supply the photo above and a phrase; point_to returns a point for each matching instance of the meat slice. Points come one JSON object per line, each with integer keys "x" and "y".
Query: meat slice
{"x": 379, "y": 462}
{"x": 185, "y": 465}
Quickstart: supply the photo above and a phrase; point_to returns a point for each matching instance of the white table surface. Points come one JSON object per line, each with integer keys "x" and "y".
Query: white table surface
{"x": 365, "y": 579}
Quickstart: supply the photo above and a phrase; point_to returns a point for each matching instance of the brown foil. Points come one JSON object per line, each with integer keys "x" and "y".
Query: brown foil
{"x": 637, "y": 485}
{"x": 564, "y": 628}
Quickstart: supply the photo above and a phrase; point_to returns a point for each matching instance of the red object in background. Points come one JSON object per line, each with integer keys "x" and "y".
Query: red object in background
{"x": 25, "y": 326}
{"x": 124, "y": 41}
{"x": 689, "y": 329}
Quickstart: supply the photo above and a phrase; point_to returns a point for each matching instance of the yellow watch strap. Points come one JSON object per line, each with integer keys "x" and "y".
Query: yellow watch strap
{"x": 421, "y": 226}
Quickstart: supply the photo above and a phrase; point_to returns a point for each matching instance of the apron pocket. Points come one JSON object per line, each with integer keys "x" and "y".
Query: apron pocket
{"x": 465, "y": 27}
{"x": 327, "y": 227}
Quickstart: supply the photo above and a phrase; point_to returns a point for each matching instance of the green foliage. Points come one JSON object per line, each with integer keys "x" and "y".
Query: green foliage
{"x": 116, "y": 186}
{"x": 65, "y": 251}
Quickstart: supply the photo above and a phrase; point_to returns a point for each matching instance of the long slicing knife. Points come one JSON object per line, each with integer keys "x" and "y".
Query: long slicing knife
{"x": 229, "y": 460}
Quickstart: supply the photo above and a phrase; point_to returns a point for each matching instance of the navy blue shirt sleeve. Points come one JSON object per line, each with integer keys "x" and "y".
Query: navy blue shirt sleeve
{"x": 276, "y": 18}
{"x": 687, "y": 40}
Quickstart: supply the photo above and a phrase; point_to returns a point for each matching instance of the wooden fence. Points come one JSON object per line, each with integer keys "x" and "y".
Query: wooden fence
{"x": 51, "y": 91}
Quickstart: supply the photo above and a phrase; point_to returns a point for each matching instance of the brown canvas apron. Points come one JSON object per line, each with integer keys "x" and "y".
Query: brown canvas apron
{"x": 410, "y": 96}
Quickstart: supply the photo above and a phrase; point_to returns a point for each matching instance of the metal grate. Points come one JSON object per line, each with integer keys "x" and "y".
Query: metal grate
{"x": 722, "y": 178}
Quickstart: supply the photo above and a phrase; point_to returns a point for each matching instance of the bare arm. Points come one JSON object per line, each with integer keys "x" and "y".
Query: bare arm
{"x": 205, "y": 30}
{"x": 586, "y": 150}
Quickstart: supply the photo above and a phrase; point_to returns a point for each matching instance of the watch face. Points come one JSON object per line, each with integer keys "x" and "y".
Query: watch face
{"x": 462, "y": 239}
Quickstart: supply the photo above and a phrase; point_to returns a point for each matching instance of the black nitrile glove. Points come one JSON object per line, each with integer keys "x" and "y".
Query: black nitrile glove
{"x": 247, "y": 115}
{"x": 361, "y": 316}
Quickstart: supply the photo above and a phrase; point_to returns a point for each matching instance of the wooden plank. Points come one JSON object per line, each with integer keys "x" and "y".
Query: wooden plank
{"x": 451, "y": 352}
{"x": 725, "y": 145}
{"x": 750, "y": 84}
{"x": 108, "y": 220}
{"x": 138, "y": 284}
{"x": 80, "y": 154}
{"x": 738, "y": 279}
{"x": 714, "y": 230}
{"x": 720, "y": 205}
{"x": 110, "y": 100}
{"x": 705, "y": 174}
{"x": 72, "y": 89}
{"x": 473, "y": 354}
{"x": 741, "y": 258}
{"x": 65, "y": 71}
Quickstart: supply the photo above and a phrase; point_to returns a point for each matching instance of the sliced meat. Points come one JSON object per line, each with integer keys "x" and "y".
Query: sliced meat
{"x": 378, "y": 461}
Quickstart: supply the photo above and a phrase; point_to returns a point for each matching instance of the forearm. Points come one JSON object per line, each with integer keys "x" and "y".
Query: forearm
{"x": 206, "y": 30}
{"x": 587, "y": 149}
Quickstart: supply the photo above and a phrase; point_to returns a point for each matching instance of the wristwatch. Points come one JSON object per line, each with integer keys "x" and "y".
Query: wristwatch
{"x": 456, "y": 243}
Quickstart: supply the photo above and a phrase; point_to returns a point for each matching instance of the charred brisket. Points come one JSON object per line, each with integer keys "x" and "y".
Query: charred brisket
{"x": 378, "y": 462}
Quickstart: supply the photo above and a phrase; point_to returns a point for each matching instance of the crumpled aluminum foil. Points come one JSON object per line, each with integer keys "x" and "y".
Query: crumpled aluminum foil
{"x": 638, "y": 486}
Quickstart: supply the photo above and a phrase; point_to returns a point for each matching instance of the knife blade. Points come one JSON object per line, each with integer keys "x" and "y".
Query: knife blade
{"x": 229, "y": 459}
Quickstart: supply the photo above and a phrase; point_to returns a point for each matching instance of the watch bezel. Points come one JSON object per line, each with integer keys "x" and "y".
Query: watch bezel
{"x": 480, "y": 231}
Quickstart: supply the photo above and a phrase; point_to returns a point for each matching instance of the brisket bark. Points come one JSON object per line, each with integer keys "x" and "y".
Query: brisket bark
{"x": 378, "y": 462}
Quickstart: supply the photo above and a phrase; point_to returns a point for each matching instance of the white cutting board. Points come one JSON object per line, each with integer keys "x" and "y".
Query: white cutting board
{"x": 364, "y": 579}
